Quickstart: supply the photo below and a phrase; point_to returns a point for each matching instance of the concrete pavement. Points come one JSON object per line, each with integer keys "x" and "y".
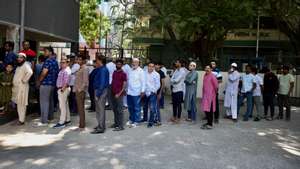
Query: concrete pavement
{"x": 244, "y": 145}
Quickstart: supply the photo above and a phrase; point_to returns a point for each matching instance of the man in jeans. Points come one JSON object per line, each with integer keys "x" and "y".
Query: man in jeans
{"x": 80, "y": 87}
{"x": 47, "y": 80}
{"x": 118, "y": 86}
{"x": 248, "y": 84}
{"x": 136, "y": 89}
{"x": 286, "y": 85}
{"x": 101, "y": 84}
{"x": 152, "y": 85}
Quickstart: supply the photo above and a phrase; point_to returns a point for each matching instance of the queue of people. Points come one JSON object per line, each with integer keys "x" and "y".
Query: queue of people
{"x": 140, "y": 90}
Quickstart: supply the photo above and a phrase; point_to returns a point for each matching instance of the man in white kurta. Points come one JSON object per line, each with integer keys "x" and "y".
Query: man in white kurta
{"x": 21, "y": 86}
{"x": 231, "y": 92}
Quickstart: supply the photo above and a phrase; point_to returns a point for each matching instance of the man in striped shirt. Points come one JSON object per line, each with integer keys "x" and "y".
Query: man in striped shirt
{"x": 63, "y": 92}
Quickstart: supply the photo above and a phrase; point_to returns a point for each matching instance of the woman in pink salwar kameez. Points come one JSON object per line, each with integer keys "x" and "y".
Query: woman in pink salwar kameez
{"x": 208, "y": 102}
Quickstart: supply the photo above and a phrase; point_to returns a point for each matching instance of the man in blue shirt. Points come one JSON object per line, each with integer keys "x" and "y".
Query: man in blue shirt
{"x": 47, "y": 82}
{"x": 9, "y": 56}
{"x": 100, "y": 84}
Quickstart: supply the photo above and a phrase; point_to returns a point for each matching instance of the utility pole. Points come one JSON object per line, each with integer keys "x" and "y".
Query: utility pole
{"x": 257, "y": 35}
{"x": 106, "y": 43}
{"x": 22, "y": 18}
{"x": 100, "y": 34}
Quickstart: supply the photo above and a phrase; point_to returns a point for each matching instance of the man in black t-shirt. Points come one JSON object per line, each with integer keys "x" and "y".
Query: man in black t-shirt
{"x": 160, "y": 92}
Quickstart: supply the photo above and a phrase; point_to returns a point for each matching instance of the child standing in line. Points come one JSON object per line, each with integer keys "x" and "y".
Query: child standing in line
{"x": 6, "y": 88}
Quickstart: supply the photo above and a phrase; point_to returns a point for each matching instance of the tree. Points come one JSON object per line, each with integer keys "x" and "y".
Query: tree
{"x": 123, "y": 20}
{"x": 287, "y": 17}
{"x": 204, "y": 23}
{"x": 90, "y": 19}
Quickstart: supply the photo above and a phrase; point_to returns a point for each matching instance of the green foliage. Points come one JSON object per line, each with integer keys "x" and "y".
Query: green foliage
{"x": 123, "y": 21}
{"x": 287, "y": 16}
{"x": 203, "y": 22}
{"x": 90, "y": 21}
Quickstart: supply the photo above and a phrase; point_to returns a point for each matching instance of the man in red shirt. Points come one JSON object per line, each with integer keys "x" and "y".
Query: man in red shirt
{"x": 118, "y": 85}
{"x": 31, "y": 55}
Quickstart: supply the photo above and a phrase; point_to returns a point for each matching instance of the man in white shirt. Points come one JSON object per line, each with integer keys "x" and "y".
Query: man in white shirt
{"x": 177, "y": 82}
{"x": 74, "y": 69}
{"x": 152, "y": 85}
{"x": 248, "y": 84}
{"x": 257, "y": 94}
{"x": 136, "y": 90}
{"x": 111, "y": 66}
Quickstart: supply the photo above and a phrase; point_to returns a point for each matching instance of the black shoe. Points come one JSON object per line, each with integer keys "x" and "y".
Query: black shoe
{"x": 216, "y": 121}
{"x": 206, "y": 127}
{"x": 256, "y": 119}
{"x": 113, "y": 126}
{"x": 67, "y": 123}
{"x": 279, "y": 117}
{"x": 98, "y": 131}
{"x": 157, "y": 124}
{"x": 96, "y": 128}
{"x": 118, "y": 129}
{"x": 227, "y": 117}
{"x": 149, "y": 125}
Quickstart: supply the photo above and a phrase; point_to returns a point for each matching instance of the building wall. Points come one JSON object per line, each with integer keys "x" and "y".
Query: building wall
{"x": 295, "y": 93}
{"x": 10, "y": 11}
{"x": 58, "y": 17}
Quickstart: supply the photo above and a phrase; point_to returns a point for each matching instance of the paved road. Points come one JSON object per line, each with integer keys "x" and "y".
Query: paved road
{"x": 245, "y": 145}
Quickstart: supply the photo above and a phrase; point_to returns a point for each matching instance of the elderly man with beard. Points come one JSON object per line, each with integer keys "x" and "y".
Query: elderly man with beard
{"x": 21, "y": 86}
{"x": 136, "y": 90}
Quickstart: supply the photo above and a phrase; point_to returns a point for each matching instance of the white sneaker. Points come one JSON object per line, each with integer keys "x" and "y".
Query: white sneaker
{"x": 129, "y": 123}
{"x": 133, "y": 125}
{"x": 39, "y": 124}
